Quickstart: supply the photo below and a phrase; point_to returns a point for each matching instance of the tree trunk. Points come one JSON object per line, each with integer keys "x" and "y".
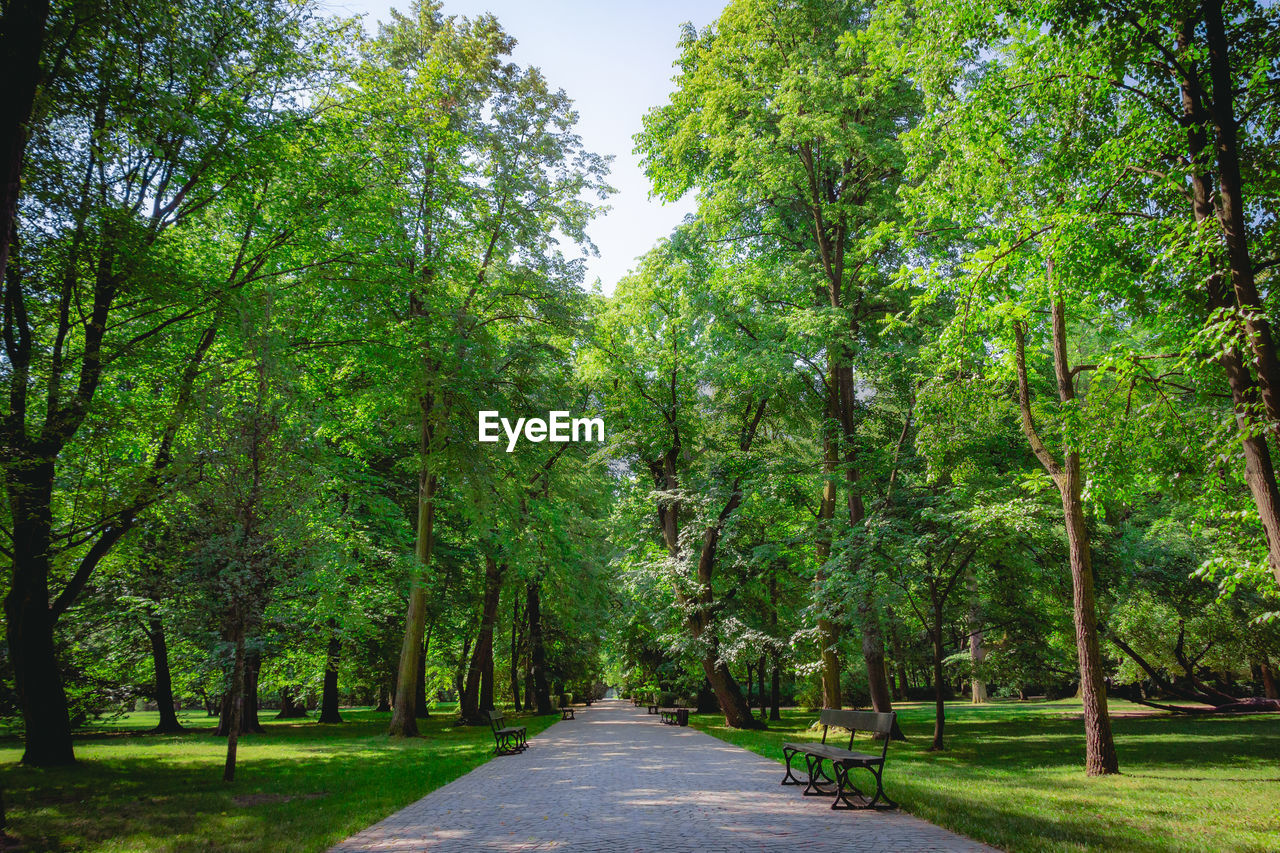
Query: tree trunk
{"x": 404, "y": 720}
{"x": 736, "y": 712}
{"x": 235, "y": 703}
{"x": 384, "y": 703}
{"x": 1233, "y": 217}
{"x": 164, "y": 682}
{"x": 530, "y": 703}
{"x": 537, "y": 652}
{"x": 22, "y": 35}
{"x": 478, "y": 695}
{"x": 460, "y": 674}
{"x": 290, "y": 707}
{"x": 420, "y": 688}
{"x": 1100, "y": 750}
{"x": 939, "y": 686}
{"x": 252, "y": 667}
{"x": 245, "y": 698}
{"x": 828, "y": 633}
{"x": 873, "y": 654}
{"x": 705, "y": 702}
{"x": 760, "y": 678}
{"x": 775, "y": 691}
{"x": 1268, "y": 680}
{"x": 1259, "y": 470}
{"x": 329, "y": 693}
{"x": 977, "y": 652}
{"x": 29, "y": 620}
{"x": 515, "y": 653}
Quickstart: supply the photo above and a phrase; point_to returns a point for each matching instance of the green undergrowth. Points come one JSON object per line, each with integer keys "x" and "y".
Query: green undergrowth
{"x": 300, "y": 786}
{"x": 1013, "y": 776}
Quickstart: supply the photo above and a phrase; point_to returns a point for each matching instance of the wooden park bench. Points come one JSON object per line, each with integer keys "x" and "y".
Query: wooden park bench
{"x": 507, "y": 740}
{"x": 674, "y": 716}
{"x": 566, "y": 712}
{"x": 843, "y": 760}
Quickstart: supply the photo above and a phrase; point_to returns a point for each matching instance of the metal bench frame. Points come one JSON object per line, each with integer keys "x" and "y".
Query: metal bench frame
{"x": 507, "y": 740}
{"x": 843, "y": 760}
{"x": 566, "y": 712}
{"x": 674, "y": 716}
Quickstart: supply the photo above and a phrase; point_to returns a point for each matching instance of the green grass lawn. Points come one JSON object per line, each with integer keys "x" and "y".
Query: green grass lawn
{"x": 299, "y": 786}
{"x": 1013, "y": 776}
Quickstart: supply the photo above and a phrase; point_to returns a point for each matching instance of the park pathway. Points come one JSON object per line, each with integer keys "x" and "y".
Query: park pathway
{"x": 615, "y": 779}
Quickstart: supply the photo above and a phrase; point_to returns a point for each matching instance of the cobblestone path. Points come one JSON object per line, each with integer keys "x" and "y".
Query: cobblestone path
{"x": 615, "y": 779}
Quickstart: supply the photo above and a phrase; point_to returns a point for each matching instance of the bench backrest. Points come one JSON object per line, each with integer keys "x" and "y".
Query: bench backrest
{"x": 873, "y": 722}
{"x": 495, "y": 720}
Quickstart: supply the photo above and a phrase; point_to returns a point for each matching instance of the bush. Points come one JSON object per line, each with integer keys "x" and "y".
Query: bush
{"x": 666, "y": 698}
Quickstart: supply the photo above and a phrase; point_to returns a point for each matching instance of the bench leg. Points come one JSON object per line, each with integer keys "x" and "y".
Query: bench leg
{"x": 819, "y": 781}
{"x": 504, "y": 745}
{"x": 844, "y": 788}
{"x": 789, "y": 778}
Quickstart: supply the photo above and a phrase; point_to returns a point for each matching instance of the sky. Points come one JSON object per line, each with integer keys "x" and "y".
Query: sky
{"x": 614, "y": 59}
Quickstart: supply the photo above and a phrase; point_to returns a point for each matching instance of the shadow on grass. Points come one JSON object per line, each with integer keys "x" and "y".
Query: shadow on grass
{"x": 1014, "y": 777}
{"x": 300, "y": 786}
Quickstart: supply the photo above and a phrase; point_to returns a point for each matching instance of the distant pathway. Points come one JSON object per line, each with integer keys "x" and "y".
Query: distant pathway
{"x": 615, "y": 779}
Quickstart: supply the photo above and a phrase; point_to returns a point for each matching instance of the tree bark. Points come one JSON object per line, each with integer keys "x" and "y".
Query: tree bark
{"x": 1268, "y": 680}
{"x": 939, "y": 686}
{"x": 420, "y": 688}
{"x": 164, "y": 682}
{"x": 246, "y": 712}
{"x": 252, "y": 667}
{"x": 290, "y": 707}
{"x": 760, "y": 679}
{"x": 537, "y": 651}
{"x": 775, "y": 691}
{"x": 828, "y": 633}
{"x": 404, "y": 720}
{"x": 477, "y": 697}
{"x": 22, "y": 36}
{"x": 728, "y": 694}
{"x": 977, "y": 652}
{"x": 1259, "y": 470}
{"x": 515, "y": 653}
{"x": 1100, "y": 751}
{"x": 329, "y": 693}
{"x": 29, "y": 620}
{"x": 1234, "y": 219}
{"x": 232, "y": 716}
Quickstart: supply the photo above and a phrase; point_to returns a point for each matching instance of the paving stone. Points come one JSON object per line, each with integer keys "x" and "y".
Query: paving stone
{"x": 616, "y": 779}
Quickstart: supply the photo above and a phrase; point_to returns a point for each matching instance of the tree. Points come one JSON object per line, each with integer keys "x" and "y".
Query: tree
{"x": 787, "y": 124}
{"x": 154, "y": 160}
{"x": 475, "y": 190}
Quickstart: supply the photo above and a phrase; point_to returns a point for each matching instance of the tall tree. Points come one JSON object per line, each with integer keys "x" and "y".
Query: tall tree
{"x": 158, "y": 140}
{"x": 788, "y": 126}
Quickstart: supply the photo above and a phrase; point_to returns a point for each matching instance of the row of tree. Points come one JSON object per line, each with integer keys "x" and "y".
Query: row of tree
{"x": 962, "y": 371}
{"x": 968, "y": 350}
{"x": 261, "y": 269}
